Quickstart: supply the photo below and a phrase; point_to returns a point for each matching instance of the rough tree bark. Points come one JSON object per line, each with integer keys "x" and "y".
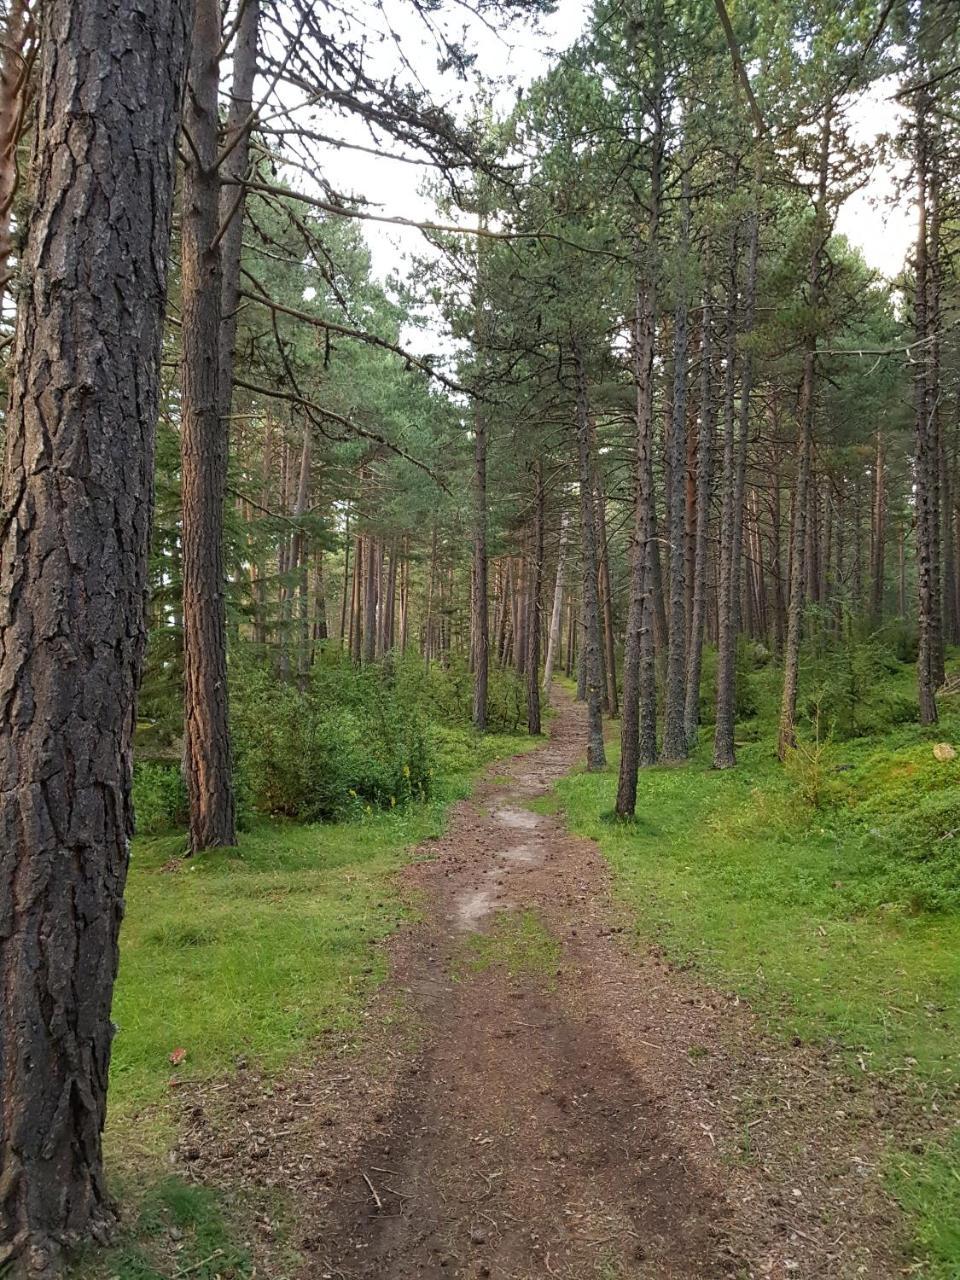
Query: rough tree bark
{"x": 234, "y": 169}
{"x": 724, "y": 751}
{"x": 534, "y": 609}
{"x": 925, "y": 453}
{"x": 791, "y": 654}
{"x": 77, "y": 499}
{"x": 480, "y": 611}
{"x": 878, "y": 532}
{"x": 606, "y": 599}
{"x": 596, "y": 757}
{"x": 698, "y": 611}
{"x": 674, "y": 734}
{"x": 638, "y": 714}
{"x": 203, "y": 449}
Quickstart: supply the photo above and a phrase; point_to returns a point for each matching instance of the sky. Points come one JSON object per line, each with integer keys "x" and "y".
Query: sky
{"x": 872, "y": 219}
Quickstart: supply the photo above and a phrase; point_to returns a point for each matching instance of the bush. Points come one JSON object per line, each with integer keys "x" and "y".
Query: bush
{"x": 159, "y": 797}
{"x": 446, "y": 693}
{"x": 847, "y": 683}
{"x": 348, "y": 743}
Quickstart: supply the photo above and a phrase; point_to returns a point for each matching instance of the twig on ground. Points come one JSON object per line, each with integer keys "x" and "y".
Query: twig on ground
{"x": 373, "y": 1191}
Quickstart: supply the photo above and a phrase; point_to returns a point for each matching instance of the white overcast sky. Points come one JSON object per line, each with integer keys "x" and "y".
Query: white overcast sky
{"x": 871, "y": 219}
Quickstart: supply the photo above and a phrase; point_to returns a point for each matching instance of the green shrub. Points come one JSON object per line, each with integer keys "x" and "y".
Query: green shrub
{"x": 446, "y": 693}
{"x": 348, "y": 743}
{"x": 750, "y": 658}
{"x": 159, "y": 797}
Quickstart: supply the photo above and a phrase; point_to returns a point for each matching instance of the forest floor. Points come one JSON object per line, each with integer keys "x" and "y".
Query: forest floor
{"x": 535, "y": 1096}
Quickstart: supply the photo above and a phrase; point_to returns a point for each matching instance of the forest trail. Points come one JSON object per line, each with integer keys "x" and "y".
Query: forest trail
{"x": 602, "y": 1114}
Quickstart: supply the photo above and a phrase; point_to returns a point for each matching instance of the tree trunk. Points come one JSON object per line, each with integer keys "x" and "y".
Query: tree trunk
{"x": 925, "y": 456}
{"x": 356, "y": 602}
{"x": 723, "y": 743}
{"x": 674, "y": 735}
{"x": 346, "y": 579}
{"x": 534, "y": 609}
{"x": 553, "y": 639}
{"x": 638, "y": 716}
{"x": 371, "y": 572}
{"x": 691, "y": 715}
{"x": 209, "y": 767}
{"x": 299, "y": 557}
{"x": 791, "y": 658}
{"x": 77, "y": 501}
{"x": 234, "y": 170}
{"x": 596, "y": 758}
{"x": 480, "y": 610}
{"x": 878, "y": 532}
{"x": 606, "y": 599}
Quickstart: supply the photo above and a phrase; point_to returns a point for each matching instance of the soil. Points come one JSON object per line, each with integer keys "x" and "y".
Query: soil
{"x": 610, "y": 1118}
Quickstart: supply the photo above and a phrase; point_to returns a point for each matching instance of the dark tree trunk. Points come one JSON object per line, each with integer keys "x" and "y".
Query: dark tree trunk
{"x": 726, "y": 631}
{"x": 674, "y": 734}
{"x": 704, "y": 477}
{"x": 934, "y": 416}
{"x": 73, "y": 581}
{"x": 320, "y": 627}
{"x": 234, "y": 170}
{"x": 878, "y": 532}
{"x": 724, "y": 750}
{"x": 925, "y": 454}
{"x": 480, "y": 611}
{"x": 606, "y": 600}
{"x": 207, "y": 753}
{"x": 638, "y": 716}
{"x": 299, "y": 557}
{"x": 534, "y": 609}
{"x": 356, "y": 601}
{"x": 596, "y": 758}
{"x": 791, "y": 657}
{"x": 371, "y": 573}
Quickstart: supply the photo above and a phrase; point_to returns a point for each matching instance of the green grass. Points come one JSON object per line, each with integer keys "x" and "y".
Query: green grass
{"x": 250, "y": 953}
{"x": 518, "y": 942}
{"x": 840, "y": 923}
{"x": 180, "y": 1226}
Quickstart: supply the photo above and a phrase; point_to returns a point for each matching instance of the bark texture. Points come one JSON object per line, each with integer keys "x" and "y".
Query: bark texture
{"x": 698, "y": 609}
{"x": 77, "y": 500}
{"x": 596, "y": 757}
{"x": 203, "y": 447}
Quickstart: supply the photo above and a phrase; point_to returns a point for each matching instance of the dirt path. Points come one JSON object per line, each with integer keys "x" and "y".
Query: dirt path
{"x": 609, "y": 1117}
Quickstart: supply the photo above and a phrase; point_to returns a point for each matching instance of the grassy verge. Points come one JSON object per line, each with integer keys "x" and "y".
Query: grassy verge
{"x": 251, "y": 953}
{"x": 828, "y": 893}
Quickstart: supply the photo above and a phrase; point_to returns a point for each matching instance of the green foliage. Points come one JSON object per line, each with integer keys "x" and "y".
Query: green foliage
{"x": 928, "y": 1187}
{"x": 348, "y": 743}
{"x": 446, "y": 693}
{"x": 193, "y": 1217}
{"x": 159, "y": 797}
{"x": 848, "y": 693}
